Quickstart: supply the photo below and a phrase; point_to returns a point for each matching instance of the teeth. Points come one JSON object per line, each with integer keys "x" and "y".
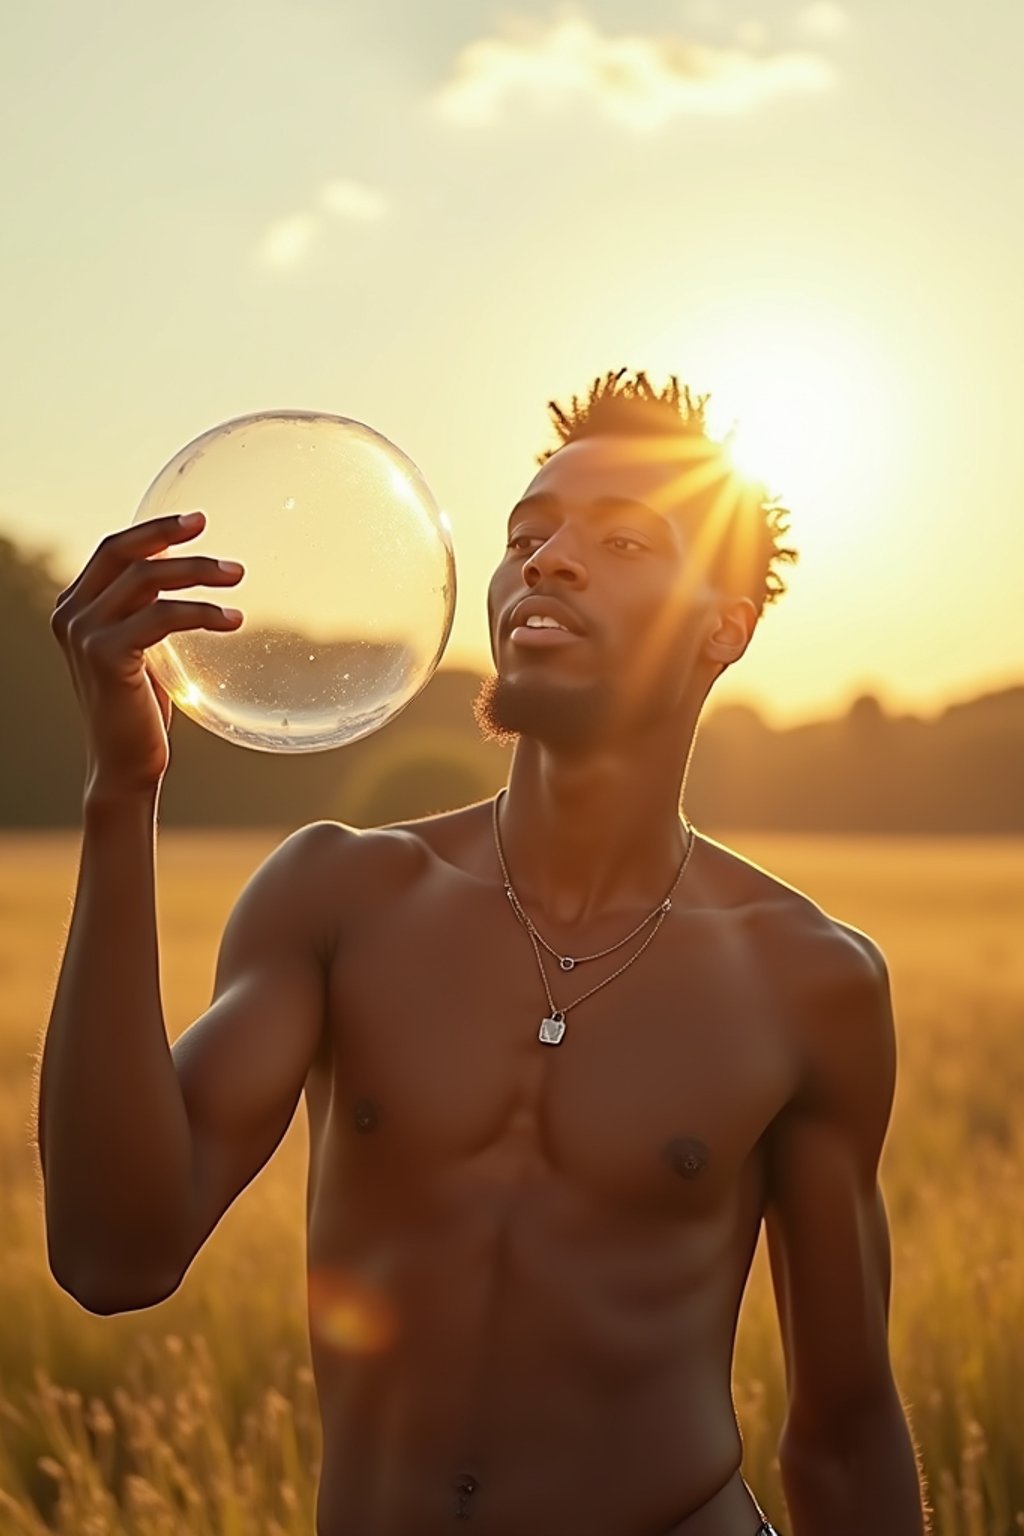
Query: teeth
{"x": 542, "y": 621}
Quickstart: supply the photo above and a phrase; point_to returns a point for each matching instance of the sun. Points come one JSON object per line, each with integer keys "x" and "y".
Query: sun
{"x": 806, "y": 416}
{"x": 789, "y": 433}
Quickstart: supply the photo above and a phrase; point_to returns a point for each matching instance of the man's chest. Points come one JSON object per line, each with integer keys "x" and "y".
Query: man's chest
{"x": 660, "y": 1088}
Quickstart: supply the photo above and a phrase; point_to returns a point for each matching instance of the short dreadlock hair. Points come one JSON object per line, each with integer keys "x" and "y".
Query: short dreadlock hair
{"x": 751, "y": 545}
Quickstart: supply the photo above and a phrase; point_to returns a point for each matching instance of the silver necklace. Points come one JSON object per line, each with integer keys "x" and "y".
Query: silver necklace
{"x": 552, "y": 1028}
{"x": 570, "y": 962}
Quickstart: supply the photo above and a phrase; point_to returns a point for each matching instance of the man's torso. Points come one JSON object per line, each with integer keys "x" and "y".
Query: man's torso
{"x": 526, "y": 1261}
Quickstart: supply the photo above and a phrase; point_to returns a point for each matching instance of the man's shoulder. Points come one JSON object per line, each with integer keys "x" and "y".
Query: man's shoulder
{"x": 828, "y": 982}
{"x": 328, "y": 862}
{"x": 798, "y": 936}
{"x": 386, "y": 857}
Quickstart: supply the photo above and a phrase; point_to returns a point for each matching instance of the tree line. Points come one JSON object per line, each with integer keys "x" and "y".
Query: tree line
{"x": 863, "y": 771}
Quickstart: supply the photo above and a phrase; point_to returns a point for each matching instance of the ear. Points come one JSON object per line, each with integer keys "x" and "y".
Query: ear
{"x": 730, "y": 630}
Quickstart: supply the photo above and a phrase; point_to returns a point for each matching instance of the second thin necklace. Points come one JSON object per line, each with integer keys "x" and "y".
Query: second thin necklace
{"x": 552, "y": 1028}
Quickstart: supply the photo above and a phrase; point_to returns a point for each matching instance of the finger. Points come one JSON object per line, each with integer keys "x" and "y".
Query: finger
{"x": 122, "y": 548}
{"x": 110, "y": 649}
{"x": 143, "y": 579}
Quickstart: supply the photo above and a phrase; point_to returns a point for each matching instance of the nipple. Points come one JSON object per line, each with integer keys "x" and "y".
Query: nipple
{"x": 366, "y": 1116}
{"x": 465, "y": 1486}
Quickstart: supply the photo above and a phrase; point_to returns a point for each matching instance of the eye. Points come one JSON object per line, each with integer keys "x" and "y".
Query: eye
{"x": 518, "y": 541}
{"x": 623, "y": 542}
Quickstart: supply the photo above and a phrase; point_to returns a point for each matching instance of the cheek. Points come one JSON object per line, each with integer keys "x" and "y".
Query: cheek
{"x": 662, "y": 635}
{"x": 495, "y": 605}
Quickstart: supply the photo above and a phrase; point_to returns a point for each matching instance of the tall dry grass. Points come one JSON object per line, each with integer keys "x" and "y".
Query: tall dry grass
{"x": 200, "y": 1417}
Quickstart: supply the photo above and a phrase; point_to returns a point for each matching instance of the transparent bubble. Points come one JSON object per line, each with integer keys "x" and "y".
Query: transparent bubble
{"x": 349, "y": 586}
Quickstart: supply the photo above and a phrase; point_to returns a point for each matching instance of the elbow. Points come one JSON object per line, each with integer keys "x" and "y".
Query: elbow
{"x": 832, "y": 1433}
{"x": 105, "y": 1276}
{"x": 105, "y": 1296}
{"x": 106, "y": 1291}
{"x": 799, "y": 1457}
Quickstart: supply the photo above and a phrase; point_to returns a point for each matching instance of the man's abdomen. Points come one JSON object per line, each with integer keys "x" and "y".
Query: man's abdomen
{"x": 553, "y": 1370}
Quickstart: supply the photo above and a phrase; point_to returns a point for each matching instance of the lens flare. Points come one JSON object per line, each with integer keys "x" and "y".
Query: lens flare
{"x": 350, "y": 1313}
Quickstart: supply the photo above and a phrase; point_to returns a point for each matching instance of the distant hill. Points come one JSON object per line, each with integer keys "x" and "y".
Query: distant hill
{"x": 865, "y": 771}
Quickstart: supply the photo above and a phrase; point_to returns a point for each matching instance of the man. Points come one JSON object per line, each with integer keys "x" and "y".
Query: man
{"x": 561, "y": 1054}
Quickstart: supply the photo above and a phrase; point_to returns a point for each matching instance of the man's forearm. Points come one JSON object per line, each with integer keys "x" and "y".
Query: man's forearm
{"x": 113, "y": 1132}
{"x": 865, "y": 1479}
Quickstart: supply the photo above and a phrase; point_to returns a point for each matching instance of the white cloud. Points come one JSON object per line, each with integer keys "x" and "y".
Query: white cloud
{"x": 287, "y": 242}
{"x": 351, "y": 200}
{"x": 638, "y": 80}
{"x": 824, "y": 18}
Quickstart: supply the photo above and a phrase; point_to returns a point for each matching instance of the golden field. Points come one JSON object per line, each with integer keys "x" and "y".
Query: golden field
{"x": 198, "y": 1416}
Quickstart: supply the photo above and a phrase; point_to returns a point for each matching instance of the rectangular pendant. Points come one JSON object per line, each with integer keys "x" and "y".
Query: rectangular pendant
{"x": 551, "y": 1031}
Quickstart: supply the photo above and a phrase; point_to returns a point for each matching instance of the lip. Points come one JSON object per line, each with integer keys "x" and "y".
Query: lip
{"x": 543, "y": 639}
{"x": 551, "y": 607}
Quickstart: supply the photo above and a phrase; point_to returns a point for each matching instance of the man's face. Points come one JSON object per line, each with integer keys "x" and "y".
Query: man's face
{"x": 594, "y": 544}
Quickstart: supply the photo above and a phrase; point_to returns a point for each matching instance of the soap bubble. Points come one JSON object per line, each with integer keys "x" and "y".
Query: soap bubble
{"x": 349, "y": 586}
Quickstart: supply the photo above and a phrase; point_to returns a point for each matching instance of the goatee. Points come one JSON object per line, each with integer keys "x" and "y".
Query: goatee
{"x": 565, "y": 719}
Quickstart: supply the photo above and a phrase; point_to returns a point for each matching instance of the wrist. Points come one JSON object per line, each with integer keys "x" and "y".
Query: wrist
{"x": 102, "y": 798}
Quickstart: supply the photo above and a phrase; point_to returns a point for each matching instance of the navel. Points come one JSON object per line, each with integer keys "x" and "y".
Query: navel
{"x": 686, "y": 1156}
{"x": 366, "y": 1115}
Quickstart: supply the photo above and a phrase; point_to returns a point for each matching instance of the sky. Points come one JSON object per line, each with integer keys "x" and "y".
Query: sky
{"x": 435, "y": 218}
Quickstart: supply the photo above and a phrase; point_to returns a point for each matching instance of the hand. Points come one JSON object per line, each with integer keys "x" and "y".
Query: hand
{"x": 103, "y": 623}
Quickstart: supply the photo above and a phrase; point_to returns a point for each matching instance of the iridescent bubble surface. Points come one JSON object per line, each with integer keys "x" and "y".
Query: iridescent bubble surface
{"x": 349, "y": 586}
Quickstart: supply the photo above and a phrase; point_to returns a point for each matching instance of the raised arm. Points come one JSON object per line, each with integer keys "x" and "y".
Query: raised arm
{"x": 846, "y": 1455}
{"x": 144, "y": 1147}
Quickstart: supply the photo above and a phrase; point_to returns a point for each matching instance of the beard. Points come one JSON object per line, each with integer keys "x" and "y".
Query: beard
{"x": 564, "y": 719}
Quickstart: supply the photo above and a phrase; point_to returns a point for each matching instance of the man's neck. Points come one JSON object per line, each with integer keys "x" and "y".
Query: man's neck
{"x": 595, "y": 834}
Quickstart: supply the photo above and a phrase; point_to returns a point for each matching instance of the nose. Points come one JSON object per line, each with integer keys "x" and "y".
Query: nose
{"x": 555, "y": 559}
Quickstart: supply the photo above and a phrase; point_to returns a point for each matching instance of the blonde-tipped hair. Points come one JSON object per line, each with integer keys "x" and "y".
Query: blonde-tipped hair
{"x": 752, "y": 545}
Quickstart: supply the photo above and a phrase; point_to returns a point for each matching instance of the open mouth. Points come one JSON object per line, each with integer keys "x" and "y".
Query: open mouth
{"x": 544, "y": 621}
{"x": 543, "y": 636}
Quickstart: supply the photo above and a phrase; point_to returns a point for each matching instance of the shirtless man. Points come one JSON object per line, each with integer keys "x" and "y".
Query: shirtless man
{"x": 545, "y": 1203}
